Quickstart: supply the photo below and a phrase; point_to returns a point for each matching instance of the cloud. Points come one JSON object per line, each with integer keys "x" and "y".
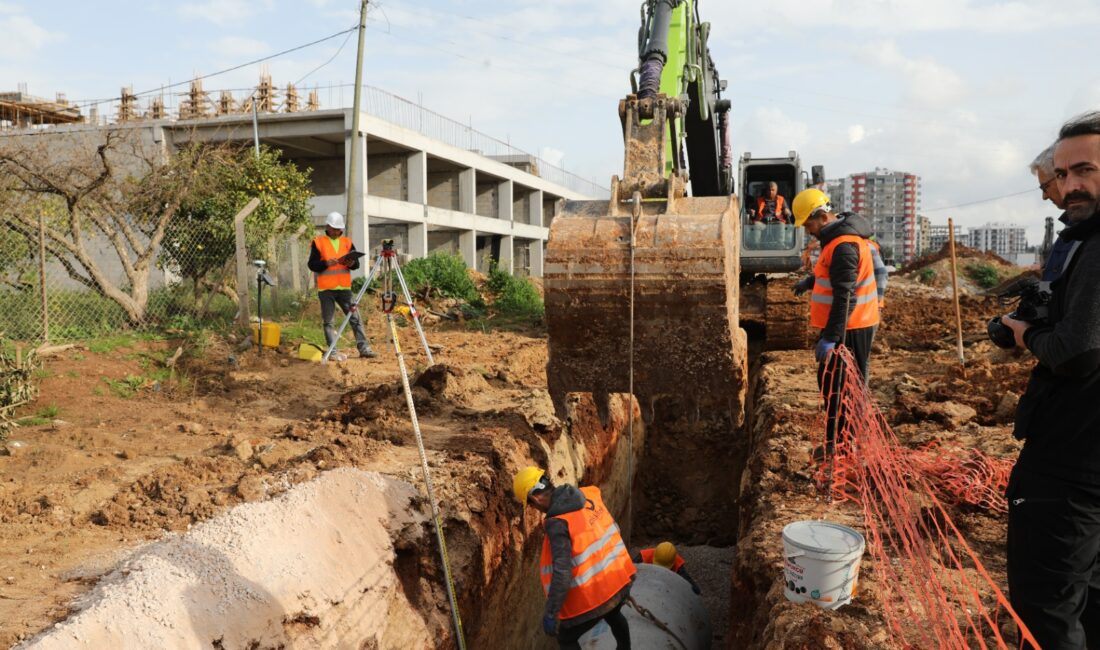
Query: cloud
{"x": 552, "y": 155}
{"x": 927, "y": 83}
{"x": 771, "y": 132}
{"x": 856, "y": 133}
{"x": 224, "y": 12}
{"x": 22, "y": 36}
{"x": 239, "y": 47}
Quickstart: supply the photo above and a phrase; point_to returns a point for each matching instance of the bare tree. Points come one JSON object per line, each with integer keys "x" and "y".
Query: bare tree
{"x": 96, "y": 187}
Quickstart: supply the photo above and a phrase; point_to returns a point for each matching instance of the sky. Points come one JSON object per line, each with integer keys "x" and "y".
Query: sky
{"x": 962, "y": 92}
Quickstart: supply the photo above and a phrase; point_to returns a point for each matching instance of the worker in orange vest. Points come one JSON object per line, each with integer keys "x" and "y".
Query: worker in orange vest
{"x": 585, "y": 569}
{"x": 665, "y": 555}
{"x": 844, "y": 304}
{"x": 771, "y": 206}
{"x": 330, "y": 260}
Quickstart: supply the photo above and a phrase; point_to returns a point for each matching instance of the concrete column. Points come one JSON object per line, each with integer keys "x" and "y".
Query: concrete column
{"x": 505, "y": 207}
{"x": 418, "y": 240}
{"x": 535, "y": 215}
{"x": 358, "y": 224}
{"x": 467, "y": 245}
{"x": 418, "y": 178}
{"x": 467, "y": 191}
{"x": 506, "y": 261}
{"x": 536, "y": 257}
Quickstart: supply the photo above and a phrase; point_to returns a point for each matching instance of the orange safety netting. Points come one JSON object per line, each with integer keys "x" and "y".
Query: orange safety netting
{"x": 936, "y": 592}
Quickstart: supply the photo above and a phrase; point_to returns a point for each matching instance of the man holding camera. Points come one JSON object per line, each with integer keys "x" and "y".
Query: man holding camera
{"x": 1054, "y": 491}
{"x": 332, "y": 259}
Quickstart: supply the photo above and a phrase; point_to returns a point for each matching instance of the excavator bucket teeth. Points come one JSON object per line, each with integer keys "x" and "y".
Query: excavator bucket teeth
{"x": 686, "y": 336}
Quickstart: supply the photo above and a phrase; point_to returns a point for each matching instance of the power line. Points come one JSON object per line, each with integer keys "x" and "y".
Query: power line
{"x": 331, "y": 59}
{"x": 989, "y": 200}
{"x": 161, "y": 89}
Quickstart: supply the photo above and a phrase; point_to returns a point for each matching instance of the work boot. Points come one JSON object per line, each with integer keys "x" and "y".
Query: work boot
{"x": 367, "y": 353}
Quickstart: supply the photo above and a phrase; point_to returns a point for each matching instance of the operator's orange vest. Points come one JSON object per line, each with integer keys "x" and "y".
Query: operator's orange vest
{"x": 601, "y": 563}
{"x": 778, "y": 207}
{"x": 865, "y": 298}
{"x": 647, "y": 557}
{"x": 881, "y": 301}
{"x": 336, "y": 276}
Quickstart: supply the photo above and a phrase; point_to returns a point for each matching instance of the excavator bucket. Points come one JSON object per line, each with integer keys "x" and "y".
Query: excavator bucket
{"x": 653, "y": 266}
{"x": 687, "y": 343}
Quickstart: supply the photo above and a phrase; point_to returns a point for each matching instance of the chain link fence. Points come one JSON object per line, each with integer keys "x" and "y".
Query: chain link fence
{"x": 46, "y": 296}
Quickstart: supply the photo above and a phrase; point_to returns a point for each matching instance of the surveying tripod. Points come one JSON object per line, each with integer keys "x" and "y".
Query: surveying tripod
{"x": 385, "y": 265}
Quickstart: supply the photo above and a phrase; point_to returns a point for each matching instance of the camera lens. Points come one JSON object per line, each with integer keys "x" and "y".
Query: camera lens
{"x": 1000, "y": 334}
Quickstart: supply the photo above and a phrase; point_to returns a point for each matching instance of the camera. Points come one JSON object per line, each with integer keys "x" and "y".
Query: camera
{"x": 1032, "y": 302}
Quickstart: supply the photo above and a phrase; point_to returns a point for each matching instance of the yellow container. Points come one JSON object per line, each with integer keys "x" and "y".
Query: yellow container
{"x": 272, "y": 334}
{"x": 310, "y": 352}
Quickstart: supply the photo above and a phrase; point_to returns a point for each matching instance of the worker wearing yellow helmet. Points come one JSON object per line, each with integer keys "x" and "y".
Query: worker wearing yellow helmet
{"x": 585, "y": 569}
{"x": 665, "y": 555}
{"x": 844, "y": 303}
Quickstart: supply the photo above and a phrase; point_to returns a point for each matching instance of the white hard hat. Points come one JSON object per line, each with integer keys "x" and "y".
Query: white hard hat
{"x": 335, "y": 220}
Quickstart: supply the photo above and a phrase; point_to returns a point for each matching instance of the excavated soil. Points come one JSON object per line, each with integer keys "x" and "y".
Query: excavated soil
{"x": 928, "y": 397}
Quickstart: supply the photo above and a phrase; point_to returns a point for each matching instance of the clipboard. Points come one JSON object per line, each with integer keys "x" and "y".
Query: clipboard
{"x": 353, "y": 255}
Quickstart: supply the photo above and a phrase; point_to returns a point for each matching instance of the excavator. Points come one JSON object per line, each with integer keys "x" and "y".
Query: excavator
{"x": 671, "y": 268}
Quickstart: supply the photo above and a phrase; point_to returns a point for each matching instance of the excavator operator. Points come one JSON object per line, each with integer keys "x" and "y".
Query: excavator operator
{"x": 771, "y": 207}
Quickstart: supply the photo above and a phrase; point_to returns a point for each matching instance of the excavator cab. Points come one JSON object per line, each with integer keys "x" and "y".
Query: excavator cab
{"x": 770, "y": 244}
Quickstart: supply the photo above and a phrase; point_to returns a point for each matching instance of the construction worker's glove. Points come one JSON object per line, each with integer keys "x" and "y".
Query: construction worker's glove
{"x": 803, "y": 285}
{"x": 550, "y": 625}
{"x": 823, "y": 350}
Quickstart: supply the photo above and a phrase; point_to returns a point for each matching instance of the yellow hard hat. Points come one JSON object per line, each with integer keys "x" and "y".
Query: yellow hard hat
{"x": 665, "y": 555}
{"x": 806, "y": 203}
{"x": 525, "y": 480}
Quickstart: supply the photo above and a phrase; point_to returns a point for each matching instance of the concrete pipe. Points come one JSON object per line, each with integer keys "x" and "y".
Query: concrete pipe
{"x": 670, "y": 600}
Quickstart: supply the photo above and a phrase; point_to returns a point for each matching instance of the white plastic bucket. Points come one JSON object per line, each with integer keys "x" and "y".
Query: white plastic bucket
{"x": 821, "y": 563}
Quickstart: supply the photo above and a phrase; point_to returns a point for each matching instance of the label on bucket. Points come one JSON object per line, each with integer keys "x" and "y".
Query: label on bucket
{"x": 821, "y": 562}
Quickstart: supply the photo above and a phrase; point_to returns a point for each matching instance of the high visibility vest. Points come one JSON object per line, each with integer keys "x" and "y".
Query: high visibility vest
{"x": 647, "y": 557}
{"x": 865, "y": 298}
{"x": 760, "y": 202}
{"x": 878, "y": 249}
{"x": 336, "y": 276}
{"x": 601, "y": 563}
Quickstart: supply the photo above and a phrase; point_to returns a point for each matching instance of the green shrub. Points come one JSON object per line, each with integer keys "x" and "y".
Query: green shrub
{"x": 514, "y": 296}
{"x": 445, "y": 273}
{"x": 985, "y": 274}
{"x": 926, "y": 276}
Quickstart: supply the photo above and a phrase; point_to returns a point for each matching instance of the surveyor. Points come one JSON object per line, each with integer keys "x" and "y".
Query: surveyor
{"x": 1054, "y": 490}
{"x": 331, "y": 260}
{"x": 1043, "y": 168}
{"x": 665, "y": 555}
{"x": 844, "y": 303}
{"x": 585, "y": 569}
{"x": 771, "y": 206}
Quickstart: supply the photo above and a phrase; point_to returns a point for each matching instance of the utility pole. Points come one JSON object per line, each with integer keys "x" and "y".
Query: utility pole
{"x": 355, "y": 190}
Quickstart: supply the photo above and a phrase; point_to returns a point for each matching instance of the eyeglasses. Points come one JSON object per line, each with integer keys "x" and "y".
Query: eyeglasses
{"x": 1043, "y": 186}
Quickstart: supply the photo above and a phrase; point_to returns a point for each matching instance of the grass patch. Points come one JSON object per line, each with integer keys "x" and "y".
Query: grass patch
{"x": 926, "y": 276}
{"x": 44, "y": 415}
{"x": 127, "y": 387}
{"x": 109, "y": 344}
{"x": 984, "y": 274}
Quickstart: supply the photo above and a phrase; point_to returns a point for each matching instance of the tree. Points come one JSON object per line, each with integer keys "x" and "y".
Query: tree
{"x": 100, "y": 186}
{"x": 199, "y": 241}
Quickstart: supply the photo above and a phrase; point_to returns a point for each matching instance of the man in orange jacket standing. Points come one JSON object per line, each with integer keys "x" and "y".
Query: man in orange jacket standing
{"x": 844, "y": 304}
{"x": 331, "y": 260}
{"x": 585, "y": 569}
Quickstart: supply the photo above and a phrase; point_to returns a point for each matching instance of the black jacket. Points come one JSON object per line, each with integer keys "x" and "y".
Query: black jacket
{"x": 843, "y": 271}
{"x": 1059, "y": 414}
{"x": 317, "y": 265}
{"x": 568, "y": 498}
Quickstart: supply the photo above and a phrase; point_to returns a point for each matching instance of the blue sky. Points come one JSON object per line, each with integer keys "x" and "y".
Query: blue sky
{"x": 962, "y": 92}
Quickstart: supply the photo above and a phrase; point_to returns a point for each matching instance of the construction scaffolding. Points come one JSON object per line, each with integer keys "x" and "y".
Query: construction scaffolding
{"x": 19, "y": 110}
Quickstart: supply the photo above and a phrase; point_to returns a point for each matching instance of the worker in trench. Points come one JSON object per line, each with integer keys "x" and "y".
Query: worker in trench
{"x": 844, "y": 303}
{"x": 665, "y": 555}
{"x": 332, "y": 259}
{"x": 1054, "y": 490}
{"x": 585, "y": 569}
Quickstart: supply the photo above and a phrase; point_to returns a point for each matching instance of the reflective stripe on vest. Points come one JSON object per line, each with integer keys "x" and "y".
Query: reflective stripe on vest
{"x": 337, "y": 276}
{"x": 601, "y": 565}
{"x": 865, "y": 297}
{"x": 648, "y": 553}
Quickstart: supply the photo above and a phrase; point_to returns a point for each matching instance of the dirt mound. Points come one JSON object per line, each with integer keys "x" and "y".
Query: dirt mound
{"x": 961, "y": 253}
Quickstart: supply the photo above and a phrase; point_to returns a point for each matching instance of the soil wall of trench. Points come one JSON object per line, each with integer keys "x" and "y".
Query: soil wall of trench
{"x": 349, "y": 560}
